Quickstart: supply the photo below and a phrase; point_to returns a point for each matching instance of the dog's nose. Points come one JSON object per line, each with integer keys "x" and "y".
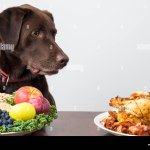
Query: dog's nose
{"x": 62, "y": 60}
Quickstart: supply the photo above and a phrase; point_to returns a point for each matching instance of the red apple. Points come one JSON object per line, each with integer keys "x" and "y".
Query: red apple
{"x": 41, "y": 104}
{"x": 25, "y": 93}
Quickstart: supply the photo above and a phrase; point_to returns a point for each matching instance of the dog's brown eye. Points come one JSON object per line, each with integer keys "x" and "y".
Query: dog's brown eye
{"x": 35, "y": 33}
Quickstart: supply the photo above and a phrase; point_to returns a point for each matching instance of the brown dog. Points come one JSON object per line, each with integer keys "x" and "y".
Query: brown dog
{"x": 32, "y": 32}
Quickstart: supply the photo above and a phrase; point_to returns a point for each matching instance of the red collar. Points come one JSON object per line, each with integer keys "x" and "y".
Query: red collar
{"x": 5, "y": 78}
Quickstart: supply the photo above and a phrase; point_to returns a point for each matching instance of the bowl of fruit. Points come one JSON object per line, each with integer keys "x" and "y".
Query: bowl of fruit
{"x": 24, "y": 112}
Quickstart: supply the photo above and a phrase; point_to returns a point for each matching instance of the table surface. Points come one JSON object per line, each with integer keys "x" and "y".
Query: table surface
{"x": 73, "y": 124}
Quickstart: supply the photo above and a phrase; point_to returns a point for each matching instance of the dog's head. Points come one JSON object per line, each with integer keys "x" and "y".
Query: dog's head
{"x": 32, "y": 31}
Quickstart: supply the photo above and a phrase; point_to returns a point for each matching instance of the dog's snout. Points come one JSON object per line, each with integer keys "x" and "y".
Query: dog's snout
{"x": 62, "y": 60}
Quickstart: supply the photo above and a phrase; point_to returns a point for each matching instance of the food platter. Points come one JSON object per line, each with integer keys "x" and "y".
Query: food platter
{"x": 19, "y": 116}
{"x": 98, "y": 120}
{"x": 23, "y": 133}
{"x": 131, "y": 116}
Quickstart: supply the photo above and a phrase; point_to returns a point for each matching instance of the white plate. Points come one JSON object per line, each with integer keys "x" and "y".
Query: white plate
{"x": 100, "y": 117}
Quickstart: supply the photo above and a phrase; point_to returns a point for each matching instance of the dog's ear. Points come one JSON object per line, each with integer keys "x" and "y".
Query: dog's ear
{"x": 11, "y": 21}
{"x": 49, "y": 14}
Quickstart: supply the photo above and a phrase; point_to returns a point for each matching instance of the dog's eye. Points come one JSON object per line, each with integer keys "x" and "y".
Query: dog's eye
{"x": 35, "y": 33}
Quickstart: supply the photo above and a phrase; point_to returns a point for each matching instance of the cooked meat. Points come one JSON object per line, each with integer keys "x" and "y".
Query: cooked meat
{"x": 138, "y": 108}
{"x": 139, "y": 129}
{"x": 133, "y": 115}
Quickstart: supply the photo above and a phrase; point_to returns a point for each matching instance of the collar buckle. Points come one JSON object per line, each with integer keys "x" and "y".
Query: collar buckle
{"x": 4, "y": 80}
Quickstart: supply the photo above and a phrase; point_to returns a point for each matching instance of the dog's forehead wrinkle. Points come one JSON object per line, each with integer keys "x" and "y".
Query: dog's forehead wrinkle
{"x": 34, "y": 24}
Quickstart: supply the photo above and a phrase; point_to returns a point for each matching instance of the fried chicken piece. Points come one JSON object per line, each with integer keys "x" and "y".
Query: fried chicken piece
{"x": 123, "y": 126}
{"x": 140, "y": 108}
{"x": 117, "y": 101}
{"x": 138, "y": 95}
{"x": 113, "y": 114}
{"x": 139, "y": 129}
{"x": 109, "y": 123}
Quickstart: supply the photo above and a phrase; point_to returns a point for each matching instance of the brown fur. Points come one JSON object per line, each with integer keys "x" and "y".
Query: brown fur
{"x": 30, "y": 50}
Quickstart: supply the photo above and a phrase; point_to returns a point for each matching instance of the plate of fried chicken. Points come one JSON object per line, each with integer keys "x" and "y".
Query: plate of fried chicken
{"x": 132, "y": 117}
